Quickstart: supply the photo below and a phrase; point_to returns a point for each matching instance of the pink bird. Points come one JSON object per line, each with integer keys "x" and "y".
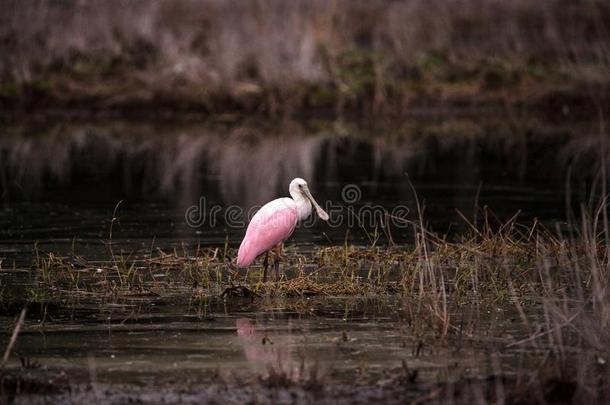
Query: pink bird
{"x": 274, "y": 223}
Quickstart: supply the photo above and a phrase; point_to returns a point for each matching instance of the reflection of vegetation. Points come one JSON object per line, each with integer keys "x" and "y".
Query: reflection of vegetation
{"x": 281, "y": 57}
{"x": 177, "y": 162}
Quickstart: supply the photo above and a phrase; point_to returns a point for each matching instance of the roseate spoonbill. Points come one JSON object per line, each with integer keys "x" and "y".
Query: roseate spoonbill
{"x": 274, "y": 223}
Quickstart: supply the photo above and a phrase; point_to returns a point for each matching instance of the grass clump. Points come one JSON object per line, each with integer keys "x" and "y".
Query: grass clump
{"x": 491, "y": 264}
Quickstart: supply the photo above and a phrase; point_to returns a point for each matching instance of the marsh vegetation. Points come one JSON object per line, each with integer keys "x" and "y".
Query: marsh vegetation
{"x": 289, "y": 58}
{"x": 137, "y": 137}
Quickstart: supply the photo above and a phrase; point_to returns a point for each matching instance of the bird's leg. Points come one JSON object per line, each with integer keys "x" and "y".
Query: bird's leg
{"x": 265, "y": 265}
{"x": 276, "y": 262}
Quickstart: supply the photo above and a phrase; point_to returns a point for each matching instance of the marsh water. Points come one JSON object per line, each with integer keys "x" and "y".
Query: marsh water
{"x": 60, "y": 182}
{"x": 166, "y": 339}
{"x": 179, "y": 186}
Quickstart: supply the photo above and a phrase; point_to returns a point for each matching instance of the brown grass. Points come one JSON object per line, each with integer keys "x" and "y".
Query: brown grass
{"x": 276, "y": 56}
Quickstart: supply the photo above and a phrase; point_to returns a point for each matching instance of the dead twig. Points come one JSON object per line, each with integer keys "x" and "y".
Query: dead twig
{"x": 16, "y": 329}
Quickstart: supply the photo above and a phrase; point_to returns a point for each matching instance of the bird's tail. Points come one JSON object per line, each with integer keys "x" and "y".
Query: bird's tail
{"x": 246, "y": 254}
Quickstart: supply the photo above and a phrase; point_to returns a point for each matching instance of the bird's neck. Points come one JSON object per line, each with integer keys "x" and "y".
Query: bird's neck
{"x": 303, "y": 206}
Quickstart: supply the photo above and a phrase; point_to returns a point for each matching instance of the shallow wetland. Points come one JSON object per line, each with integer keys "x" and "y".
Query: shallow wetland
{"x": 491, "y": 285}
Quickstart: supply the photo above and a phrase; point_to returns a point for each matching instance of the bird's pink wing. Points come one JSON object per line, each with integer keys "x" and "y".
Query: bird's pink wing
{"x": 267, "y": 228}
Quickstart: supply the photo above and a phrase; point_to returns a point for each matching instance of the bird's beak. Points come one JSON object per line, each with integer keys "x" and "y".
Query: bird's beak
{"x": 321, "y": 213}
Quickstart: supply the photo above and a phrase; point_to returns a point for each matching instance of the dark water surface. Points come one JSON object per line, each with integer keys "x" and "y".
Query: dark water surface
{"x": 147, "y": 342}
{"x": 60, "y": 182}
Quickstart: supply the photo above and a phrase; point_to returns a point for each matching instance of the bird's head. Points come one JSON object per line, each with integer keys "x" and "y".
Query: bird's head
{"x": 299, "y": 186}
